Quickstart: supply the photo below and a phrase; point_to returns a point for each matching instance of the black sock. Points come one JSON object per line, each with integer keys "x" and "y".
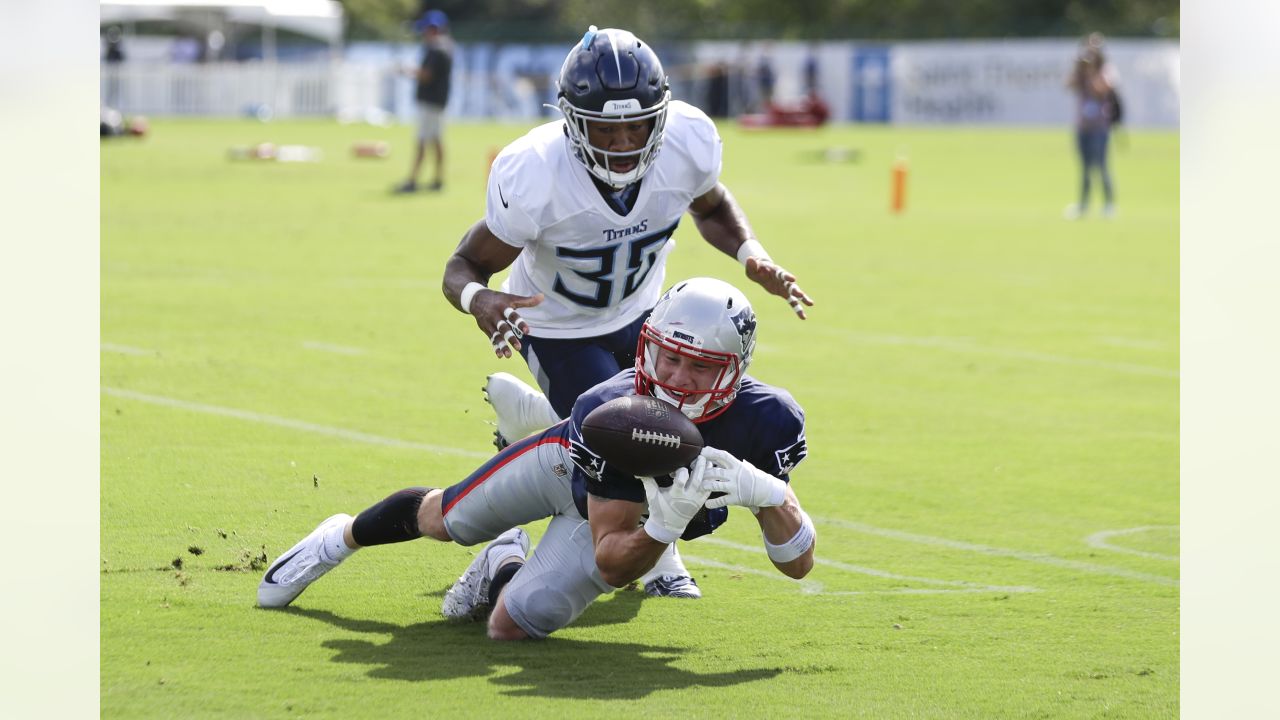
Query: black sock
{"x": 501, "y": 578}
{"x": 393, "y": 520}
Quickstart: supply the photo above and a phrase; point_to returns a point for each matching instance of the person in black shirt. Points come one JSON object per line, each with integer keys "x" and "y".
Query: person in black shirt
{"x": 432, "y": 96}
{"x": 114, "y": 56}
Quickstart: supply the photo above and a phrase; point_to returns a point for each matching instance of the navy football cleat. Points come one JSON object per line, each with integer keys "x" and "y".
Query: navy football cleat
{"x": 676, "y": 586}
{"x": 670, "y": 578}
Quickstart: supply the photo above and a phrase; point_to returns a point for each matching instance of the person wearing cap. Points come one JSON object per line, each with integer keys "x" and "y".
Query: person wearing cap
{"x": 432, "y": 95}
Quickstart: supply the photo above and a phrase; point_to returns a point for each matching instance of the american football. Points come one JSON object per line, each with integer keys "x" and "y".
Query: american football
{"x": 642, "y": 435}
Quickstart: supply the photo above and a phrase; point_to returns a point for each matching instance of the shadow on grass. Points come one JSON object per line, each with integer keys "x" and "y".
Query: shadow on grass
{"x": 553, "y": 668}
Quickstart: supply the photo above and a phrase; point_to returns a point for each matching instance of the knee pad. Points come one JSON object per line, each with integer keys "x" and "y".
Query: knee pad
{"x": 542, "y": 607}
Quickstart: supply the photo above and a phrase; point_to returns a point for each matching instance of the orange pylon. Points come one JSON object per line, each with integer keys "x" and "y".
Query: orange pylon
{"x": 898, "y": 199}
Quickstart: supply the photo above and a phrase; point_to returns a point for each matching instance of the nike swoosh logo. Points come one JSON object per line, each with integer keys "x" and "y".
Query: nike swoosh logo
{"x": 271, "y": 574}
{"x": 504, "y": 200}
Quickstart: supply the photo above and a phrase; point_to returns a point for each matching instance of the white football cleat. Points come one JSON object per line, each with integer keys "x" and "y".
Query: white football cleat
{"x": 302, "y": 565}
{"x": 468, "y": 599}
{"x": 521, "y": 410}
{"x": 670, "y": 578}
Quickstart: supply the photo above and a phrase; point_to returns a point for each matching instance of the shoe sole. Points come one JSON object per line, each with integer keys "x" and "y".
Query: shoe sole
{"x": 274, "y": 595}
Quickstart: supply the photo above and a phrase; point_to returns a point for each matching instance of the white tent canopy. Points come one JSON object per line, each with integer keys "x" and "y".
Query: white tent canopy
{"x": 320, "y": 19}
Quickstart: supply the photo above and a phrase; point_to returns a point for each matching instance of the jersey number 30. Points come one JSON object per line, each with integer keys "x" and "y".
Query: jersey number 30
{"x": 639, "y": 255}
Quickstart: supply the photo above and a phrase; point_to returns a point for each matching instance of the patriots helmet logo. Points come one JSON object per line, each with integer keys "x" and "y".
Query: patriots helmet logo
{"x": 745, "y": 323}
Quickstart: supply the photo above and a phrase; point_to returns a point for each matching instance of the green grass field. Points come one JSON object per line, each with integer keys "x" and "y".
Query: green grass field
{"x": 992, "y": 402}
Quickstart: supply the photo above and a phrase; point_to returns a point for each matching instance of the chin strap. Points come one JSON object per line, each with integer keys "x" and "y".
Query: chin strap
{"x": 693, "y": 411}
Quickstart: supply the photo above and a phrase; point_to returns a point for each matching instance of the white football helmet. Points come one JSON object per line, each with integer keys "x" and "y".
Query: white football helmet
{"x": 701, "y": 318}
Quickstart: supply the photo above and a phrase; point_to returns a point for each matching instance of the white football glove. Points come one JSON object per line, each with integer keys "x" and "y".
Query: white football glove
{"x": 671, "y": 508}
{"x": 740, "y": 481}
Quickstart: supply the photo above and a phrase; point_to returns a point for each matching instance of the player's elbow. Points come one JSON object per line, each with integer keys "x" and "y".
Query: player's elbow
{"x": 616, "y": 579}
{"x": 610, "y": 570}
{"x": 798, "y": 568}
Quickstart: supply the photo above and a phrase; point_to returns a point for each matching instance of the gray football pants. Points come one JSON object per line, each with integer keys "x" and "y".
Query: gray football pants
{"x": 528, "y": 481}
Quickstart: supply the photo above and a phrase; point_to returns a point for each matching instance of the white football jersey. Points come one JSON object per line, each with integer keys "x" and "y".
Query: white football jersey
{"x": 598, "y": 270}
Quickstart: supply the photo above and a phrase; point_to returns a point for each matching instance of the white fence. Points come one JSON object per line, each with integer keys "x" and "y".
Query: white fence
{"x": 1019, "y": 82}
{"x": 223, "y": 88}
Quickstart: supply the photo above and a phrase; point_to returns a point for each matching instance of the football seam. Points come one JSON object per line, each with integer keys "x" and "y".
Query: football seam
{"x": 658, "y": 438}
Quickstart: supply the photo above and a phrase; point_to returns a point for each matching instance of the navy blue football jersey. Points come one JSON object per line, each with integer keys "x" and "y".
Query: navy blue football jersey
{"x": 764, "y": 426}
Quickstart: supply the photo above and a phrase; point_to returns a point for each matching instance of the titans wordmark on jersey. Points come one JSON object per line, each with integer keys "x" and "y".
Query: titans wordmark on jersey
{"x": 598, "y": 269}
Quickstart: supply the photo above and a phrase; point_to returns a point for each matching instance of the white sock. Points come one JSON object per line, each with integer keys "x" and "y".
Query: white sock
{"x": 335, "y": 549}
{"x": 499, "y": 556}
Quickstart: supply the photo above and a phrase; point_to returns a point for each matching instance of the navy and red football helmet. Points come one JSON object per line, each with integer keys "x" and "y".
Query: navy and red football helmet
{"x": 611, "y": 76}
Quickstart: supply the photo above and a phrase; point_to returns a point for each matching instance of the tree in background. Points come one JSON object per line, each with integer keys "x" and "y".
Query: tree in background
{"x": 549, "y": 20}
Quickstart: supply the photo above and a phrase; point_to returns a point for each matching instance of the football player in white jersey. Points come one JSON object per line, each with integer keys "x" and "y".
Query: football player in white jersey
{"x": 583, "y": 209}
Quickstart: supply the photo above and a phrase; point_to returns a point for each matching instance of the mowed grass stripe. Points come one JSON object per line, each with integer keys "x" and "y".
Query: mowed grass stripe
{"x": 341, "y": 433}
{"x": 1040, "y": 558}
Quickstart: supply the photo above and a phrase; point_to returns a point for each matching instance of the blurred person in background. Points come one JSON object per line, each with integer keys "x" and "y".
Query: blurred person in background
{"x": 113, "y": 57}
{"x": 811, "y": 71}
{"x": 582, "y": 210}
{"x": 765, "y": 80}
{"x": 432, "y": 96}
{"x": 1096, "y": 108}
{"x": 718, "y": 90}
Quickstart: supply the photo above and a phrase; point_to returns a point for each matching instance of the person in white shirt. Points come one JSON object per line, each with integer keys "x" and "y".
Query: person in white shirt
{"x": 583, "y": 210}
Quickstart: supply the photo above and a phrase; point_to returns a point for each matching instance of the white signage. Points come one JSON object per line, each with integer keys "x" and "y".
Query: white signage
{"x": 1024, "y": 82}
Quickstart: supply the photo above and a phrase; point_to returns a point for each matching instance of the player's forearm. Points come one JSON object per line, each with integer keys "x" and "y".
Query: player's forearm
{"x": 461, "y": 269}
{"x": 623, "y": 556}
{"x": 784, "y": 528}
{"x": 725, "y": 226}
{"x": 458, "y": 273}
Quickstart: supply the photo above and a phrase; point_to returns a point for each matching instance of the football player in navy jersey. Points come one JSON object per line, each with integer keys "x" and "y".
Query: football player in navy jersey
{"x": 607, "y": 528}
{"x": 583, "y": 210}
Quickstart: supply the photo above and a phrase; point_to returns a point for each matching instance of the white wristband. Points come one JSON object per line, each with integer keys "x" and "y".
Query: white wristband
{"x": 752, "y": 248}
{"x": 658, "y": 532}
{"x": 798, "y": 545}
{"x": 468, "y": 293}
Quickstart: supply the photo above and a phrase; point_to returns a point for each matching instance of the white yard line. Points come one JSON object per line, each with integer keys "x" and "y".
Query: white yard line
{"x": 331, "y": 348}
{"x": 251, "y": 416}
{"x": 860, "y": 570}
{"x": 808, "y": 587}
{"x": 1134, "y": 343}
{"x": 1099, "y": 540}
{"x": 951, "y": 585}
{"x": 126, "y": 349}
{"x": 968, "y": 347}
{"x": 1040, "y": 558}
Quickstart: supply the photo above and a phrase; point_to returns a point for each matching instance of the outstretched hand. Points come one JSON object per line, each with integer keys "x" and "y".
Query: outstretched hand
{"x": 772, "y": 277}
{"x": 741, "y": 482}
{"x": 497, "y": 318}
{"x": 672, "y": 508}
